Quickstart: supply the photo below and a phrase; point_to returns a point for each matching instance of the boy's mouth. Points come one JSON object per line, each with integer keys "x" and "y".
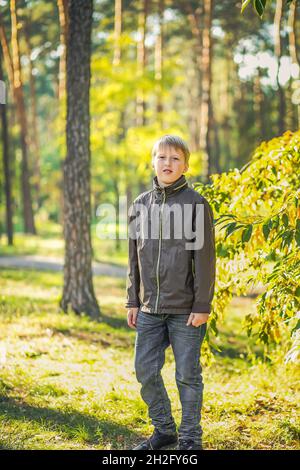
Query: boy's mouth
{"x": 167, "y": 171}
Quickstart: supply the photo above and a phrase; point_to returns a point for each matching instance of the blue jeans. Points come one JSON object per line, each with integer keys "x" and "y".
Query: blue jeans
{"x": 154, "y": 333}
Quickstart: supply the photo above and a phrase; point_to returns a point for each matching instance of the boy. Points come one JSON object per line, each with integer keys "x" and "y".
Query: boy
{"x": 170, "y": 287}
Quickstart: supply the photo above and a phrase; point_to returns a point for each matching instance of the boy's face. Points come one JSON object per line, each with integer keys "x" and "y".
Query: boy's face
{"x": 169, "y": 164}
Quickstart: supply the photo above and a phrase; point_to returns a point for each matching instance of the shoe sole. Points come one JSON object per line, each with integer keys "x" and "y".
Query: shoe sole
{"x": 166, "y": 447}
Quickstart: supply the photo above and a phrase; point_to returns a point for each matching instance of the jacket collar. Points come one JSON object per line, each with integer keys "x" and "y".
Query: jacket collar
{"x": 177, "y": 185}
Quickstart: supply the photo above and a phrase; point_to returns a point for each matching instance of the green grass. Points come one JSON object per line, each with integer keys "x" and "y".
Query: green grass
{"x": 68, "y": 383}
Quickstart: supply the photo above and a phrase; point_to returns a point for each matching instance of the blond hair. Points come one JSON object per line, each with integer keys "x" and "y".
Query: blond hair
{"x": 171, "y": 141}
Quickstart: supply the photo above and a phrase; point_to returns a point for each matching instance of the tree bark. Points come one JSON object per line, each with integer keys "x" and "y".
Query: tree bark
{"x": 63, "y": 22}
{"x": 14, "y": 71}
{"x": 194, "y": 16}
{"x": 278, "y": 53}
{"x": 6, "y": 168}
{"x": 117, "y": 32}
{"x": 292, "y": 33}
{"x": 33, "y": 134}
{"x": 206, "y": 111}
{"x": 78, "y": 290}
{"x": 158, "y": 65}
{"x": 141, "y": 63}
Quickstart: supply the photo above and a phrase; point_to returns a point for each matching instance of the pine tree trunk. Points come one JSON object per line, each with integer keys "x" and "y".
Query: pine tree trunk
{"x": 141, "y": 63}
{"x": 15, "y": 75}
{"x": 194, "y": 16}
{"x": 63, "y": 23}
{"x": 117, "y": 32}
{"x": 33, "y": 134}
{"x": 278, "y": 53}
{"x": 158, "y": 65}
{"x": 78, "y": 291}
{"x": 6, "y": 168}
{"x": 206, "y": 112}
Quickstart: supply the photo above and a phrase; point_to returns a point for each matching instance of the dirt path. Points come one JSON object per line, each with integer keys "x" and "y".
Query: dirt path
{"x": 46, "y": 263}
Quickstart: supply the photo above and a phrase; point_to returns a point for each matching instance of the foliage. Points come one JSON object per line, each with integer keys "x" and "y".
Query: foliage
{"x": 258, "y": 238}
{"x": 259, "y": 6}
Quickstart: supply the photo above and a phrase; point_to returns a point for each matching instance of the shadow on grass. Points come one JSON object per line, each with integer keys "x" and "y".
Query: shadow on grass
{"x": 95, "y": 431}
{"x": 105, "y": 339}
{"x": 234, "y": 346}
{"x": 232, "y": 353}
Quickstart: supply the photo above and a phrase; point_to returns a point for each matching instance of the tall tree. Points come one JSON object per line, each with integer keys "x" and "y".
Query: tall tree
{"x": 141, "y": 62}
{"x": 278, "y": 54}
{"x": 117, "y": 32}
{"x": 158, "y": 66}
{"x": 6, "y": 168}
{"x": 63, "y": 23}
{"x": 33, "y": 132}
{"x": 78, "y": 290}
{"x": 206, "y": 103}
{"x": 14, "y": 71}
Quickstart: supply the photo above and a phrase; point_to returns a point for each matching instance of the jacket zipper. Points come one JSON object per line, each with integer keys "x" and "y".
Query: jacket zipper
{"x": 159, "y": 250}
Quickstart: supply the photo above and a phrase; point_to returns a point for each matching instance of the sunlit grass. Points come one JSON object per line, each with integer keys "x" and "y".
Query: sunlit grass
{"x": 67, "y": 382}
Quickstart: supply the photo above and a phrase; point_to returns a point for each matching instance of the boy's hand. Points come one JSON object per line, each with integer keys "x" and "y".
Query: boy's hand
{"x": 197, "y": 319}
{"x": 131, "y": 316}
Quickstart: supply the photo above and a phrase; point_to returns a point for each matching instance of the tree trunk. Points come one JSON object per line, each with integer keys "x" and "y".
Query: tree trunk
{"x": 141, "y": 63}
{"x": 6, "y": 168}
{"x": 195, "y": 19}
{"x": 15, "y": 77}
{"x": 259, "y": 105}
{"x": 293, "y": 44}
{"x": 292, "y": 33}
{"x": 63, "y": 23}
{"x": 78, "y": 290}
{"x": 33, "y": 134}
{"x": 206, "y": 112}
{"x": 278, "y": 53}
{"x": 158, "y": 65}
{"x": 117, "y": 32}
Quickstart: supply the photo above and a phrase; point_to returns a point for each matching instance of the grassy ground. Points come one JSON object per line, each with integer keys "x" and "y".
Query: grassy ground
{"x": 69, "y": 383}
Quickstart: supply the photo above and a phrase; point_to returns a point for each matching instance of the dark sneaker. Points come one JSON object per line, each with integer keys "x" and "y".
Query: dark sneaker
{"x": 157, "y": 441}
{"x": 189, "y": 444}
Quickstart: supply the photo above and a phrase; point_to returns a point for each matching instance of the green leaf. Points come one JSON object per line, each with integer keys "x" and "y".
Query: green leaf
{"x": 285, "y": 220}
{"x": 223, "y": 218}
{"x": 297, "y": 237}
{"x": 266, "y": 230}
{"x": 259, "y": 6}
{"x": 274, "y": 171}
{"x": 246, "y": 235}
{"x": 298, "y": 224}
{"x": 244, "y": 5}
{"x": 275, "y": 221}
{"x": 297, "y": 292}
{"x": 230, "y": 228}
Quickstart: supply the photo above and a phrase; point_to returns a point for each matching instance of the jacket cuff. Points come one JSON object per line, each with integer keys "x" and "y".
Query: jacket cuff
{"x": 201, "y": 308}
{"x": 132, "y": 304}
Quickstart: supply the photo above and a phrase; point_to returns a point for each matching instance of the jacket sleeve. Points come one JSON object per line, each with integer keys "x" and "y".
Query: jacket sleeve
{"x": 204, "y": 260}
{"x": 133, "y": 274}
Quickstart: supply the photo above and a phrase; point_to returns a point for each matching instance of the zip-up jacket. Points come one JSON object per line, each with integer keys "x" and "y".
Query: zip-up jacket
{"x": 168, "y": 272}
